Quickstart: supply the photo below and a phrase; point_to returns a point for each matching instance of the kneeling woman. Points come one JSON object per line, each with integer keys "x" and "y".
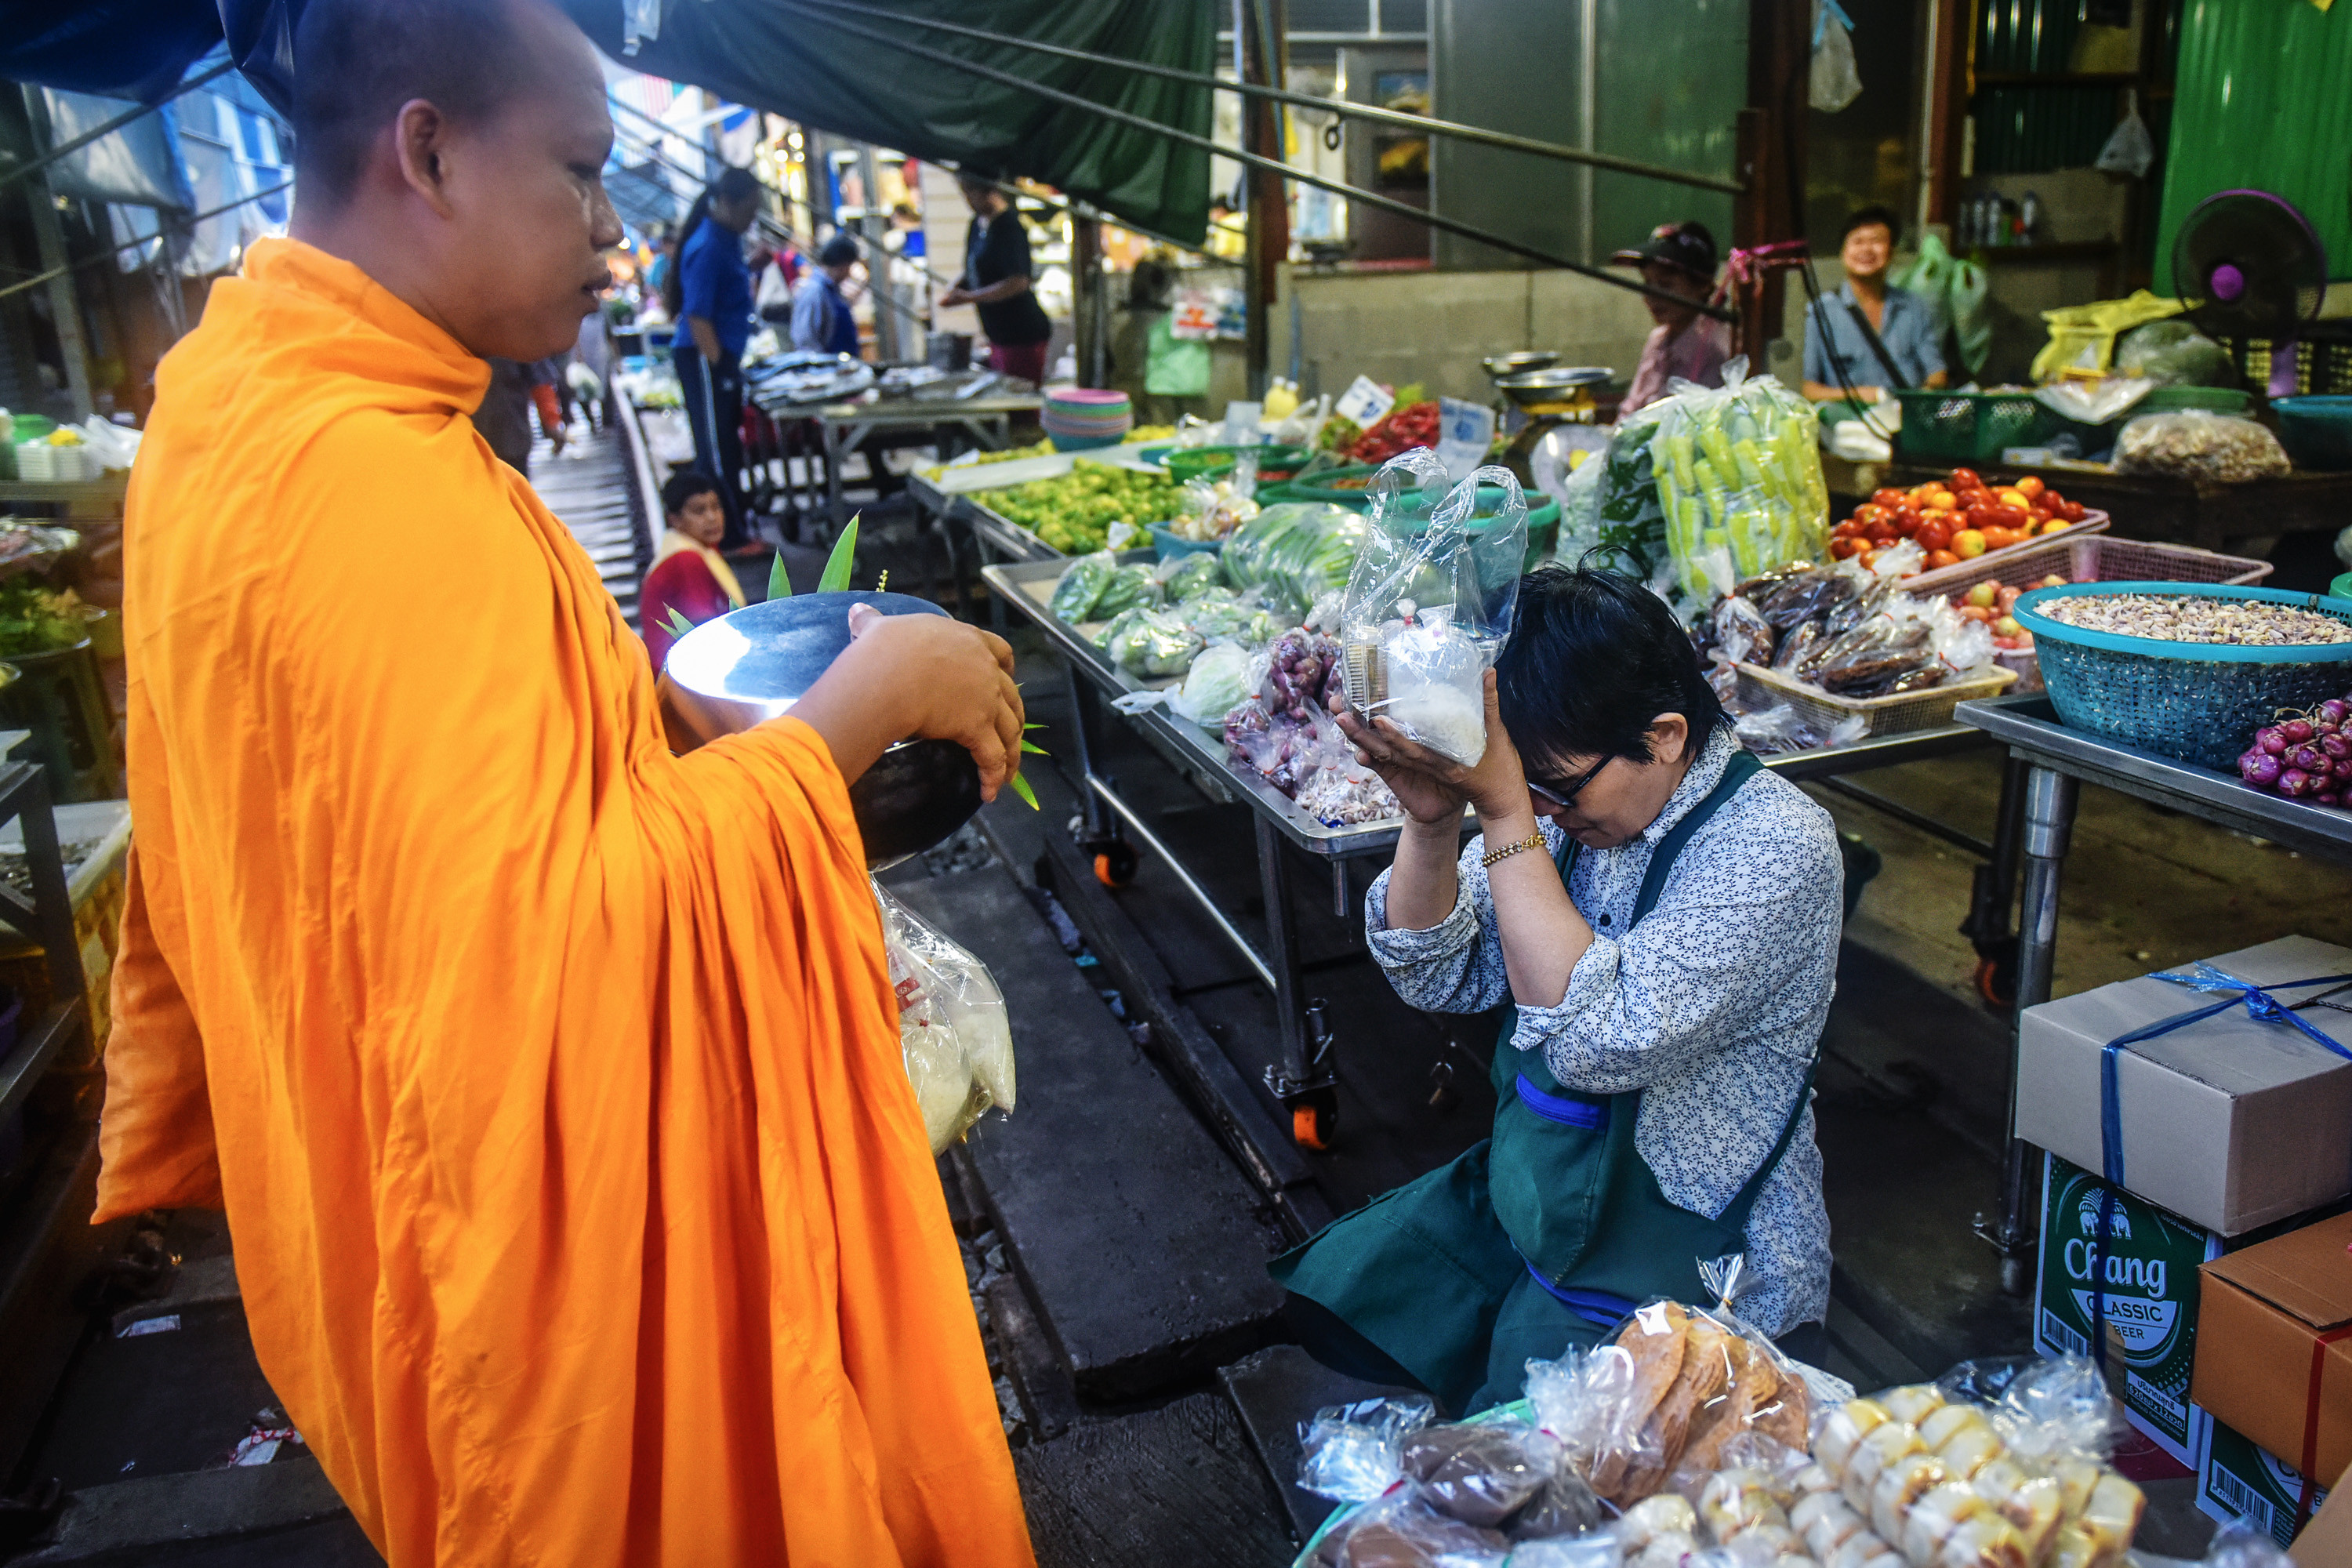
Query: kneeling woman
{"x": 1662, "y": 915}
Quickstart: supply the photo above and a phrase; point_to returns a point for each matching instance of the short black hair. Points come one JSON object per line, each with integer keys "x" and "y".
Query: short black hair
{"x": 357, "y": 61}
{"x": 1870, "y": 214}
{"x": 1593, "y": 657}
{"x": 684, "y": 486}
{"x": 839, "y": 251}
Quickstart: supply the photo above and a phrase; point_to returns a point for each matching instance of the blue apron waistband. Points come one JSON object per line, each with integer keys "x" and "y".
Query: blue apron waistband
{"x": 1594, "y": 1306}
{"x": 1560, "y": 1108}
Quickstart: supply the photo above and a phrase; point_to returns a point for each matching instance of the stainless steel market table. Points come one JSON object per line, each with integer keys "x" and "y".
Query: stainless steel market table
{"x": 843, "y": 427}
{"x": 1302, "y": 1080}
{"x": 2057, "y": 762}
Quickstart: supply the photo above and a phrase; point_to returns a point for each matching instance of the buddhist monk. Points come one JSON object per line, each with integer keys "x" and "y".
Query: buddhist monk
{"x": 551, "y": 1081}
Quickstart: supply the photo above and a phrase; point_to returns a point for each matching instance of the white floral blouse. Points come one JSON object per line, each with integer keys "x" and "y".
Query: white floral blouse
{"x": 1714, "y": 1006}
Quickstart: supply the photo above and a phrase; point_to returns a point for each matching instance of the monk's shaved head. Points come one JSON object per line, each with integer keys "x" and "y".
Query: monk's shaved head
{"x": 357, "y": 61}
{"x": 455, "y": 149}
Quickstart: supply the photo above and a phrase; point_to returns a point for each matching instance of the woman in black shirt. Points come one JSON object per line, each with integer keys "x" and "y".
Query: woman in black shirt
{"x": 996, "y": 278}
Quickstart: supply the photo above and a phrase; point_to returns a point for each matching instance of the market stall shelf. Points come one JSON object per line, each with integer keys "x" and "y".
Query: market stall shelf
{"x": 844, "y": 428}
{"x": 2058, "y": 761}
{"x": 1302, "y": 1076}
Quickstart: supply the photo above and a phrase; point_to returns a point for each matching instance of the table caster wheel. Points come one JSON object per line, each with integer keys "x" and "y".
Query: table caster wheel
{"x": 1115, "y": 864}
{"x": 1309, "y": 1129}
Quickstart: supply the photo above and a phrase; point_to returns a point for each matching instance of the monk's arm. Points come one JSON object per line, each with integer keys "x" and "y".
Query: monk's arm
{"x": 155, "y": 1136}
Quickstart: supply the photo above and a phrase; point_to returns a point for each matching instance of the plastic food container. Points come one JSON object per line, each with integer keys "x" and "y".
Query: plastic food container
{"x": 2316, "y": 431}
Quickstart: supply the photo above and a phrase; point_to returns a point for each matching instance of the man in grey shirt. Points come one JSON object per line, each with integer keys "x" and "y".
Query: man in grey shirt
{"x": 1905, "y": 329}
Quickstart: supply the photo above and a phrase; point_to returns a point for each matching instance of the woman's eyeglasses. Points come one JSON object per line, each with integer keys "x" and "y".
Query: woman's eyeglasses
{"x": 1567, "y": 793}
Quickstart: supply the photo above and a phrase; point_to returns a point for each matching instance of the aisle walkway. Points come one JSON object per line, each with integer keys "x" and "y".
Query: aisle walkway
{"x": 588, "y": 487}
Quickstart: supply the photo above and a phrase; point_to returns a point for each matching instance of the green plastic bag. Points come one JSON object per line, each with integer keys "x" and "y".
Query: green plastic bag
{"x": 1954, "y": 291}
{"x": 1174, "y": 366}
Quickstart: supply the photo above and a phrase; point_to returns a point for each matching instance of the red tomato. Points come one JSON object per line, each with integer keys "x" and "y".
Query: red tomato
{"x": 1966, "y": 479}
{"x": 1842, "y": 549}
{"x": 2001, "y": 538}
{"x": 2030, "y": 486}
{"x": 1887, "y": 496}
{"x": 1881, "y": 533}
{"x": 1846, "y": 530}
{"x": 1941, "y": 558}
{"x": 1907, "y": 518}
{"x": 1934, "y": 536}
{"x": 1869, "y": 513}
{"x": 2073, "y": 511}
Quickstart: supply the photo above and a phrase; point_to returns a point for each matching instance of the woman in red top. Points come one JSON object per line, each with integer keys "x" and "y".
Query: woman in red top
{"x": 688, "y": 574}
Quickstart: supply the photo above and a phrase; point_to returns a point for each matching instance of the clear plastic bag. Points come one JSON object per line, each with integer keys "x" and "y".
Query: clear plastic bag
{"x": 1739, "y": 479}
{"x": 2129, "y": 150}
{"x": 1222, "y": 614}
{"x": 1741, "y": 631}
{"x": 1480, "y": 1472}
{"x": 2238, "y": 1544}
{"x": 1183, "y": 578}
{"x": 2195, "y": 444}
{"x": 1431, "y": 600}
{"x": 1834, "y": 81}
{"x": 1295, "y": 553}
{"x": 1349, "y": 1452}
{"x": 1597, "y": 1550}
{"x": 1214, "y": 508}
{"x": 1400, "y": 1531}
{"x": 1589, "y": 1401}
{"x": 1154, "y": 642}
{"x": 952, "y": 1028}
{"x": 1218, "y": 682}
{"x": 1127, "y": 588}
{"x": 2174, "y": 353}
{"x": 1080, "y": 587}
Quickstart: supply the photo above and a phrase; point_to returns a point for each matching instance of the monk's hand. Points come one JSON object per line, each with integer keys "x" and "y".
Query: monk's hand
{"x": 922, "y": 677}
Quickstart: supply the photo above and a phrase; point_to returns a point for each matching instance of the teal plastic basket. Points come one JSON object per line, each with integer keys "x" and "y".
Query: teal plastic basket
{"x": 2193, "y": 702}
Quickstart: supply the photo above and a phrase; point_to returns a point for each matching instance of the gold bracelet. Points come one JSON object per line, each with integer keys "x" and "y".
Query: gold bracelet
{"x": 1532, "y": 841}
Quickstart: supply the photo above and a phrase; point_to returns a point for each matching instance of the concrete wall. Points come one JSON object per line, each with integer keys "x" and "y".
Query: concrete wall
{"x": 1434, "y": 327}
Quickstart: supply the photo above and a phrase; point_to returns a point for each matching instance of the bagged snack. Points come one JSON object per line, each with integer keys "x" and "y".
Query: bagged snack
{"x": 1349, "y": 1452}
{"x": 1739, "y": 472}
{"x": 1080, "y": 587}
{"x": 1185, "y": 577}
{"x": 1400, "y": 1531}
{"x": 1658, "y": 1532}
{"x": 1599, "y": 1550}
{"x": 1741, "y": 631}
{"x": 1564, "y": 1505}
{"x": 952, "y": 1028}
{"x": 1430, "y": 599}
{"x": 1480, "y": 1472}
{"x": 2196, "y": 443}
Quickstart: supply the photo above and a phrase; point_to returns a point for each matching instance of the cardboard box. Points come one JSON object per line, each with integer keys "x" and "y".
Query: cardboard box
{"x": 2230, "y": 1123}
{"x": 2275, "y": 1317}
{"x": 2151, "y": 1267}
{"x": 2235, "y": 1479}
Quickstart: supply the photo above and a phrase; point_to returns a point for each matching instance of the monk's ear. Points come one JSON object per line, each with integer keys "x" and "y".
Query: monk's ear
{"x": 420, "y": 138}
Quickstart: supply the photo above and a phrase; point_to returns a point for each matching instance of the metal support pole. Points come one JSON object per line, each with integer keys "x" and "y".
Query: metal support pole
{"x": 1089, "y": 300}
{"x": 1282, "y": 947}
{"x": 1086, "y": 710}
{"x": 49, "y": 235}
{"x": 2050, "y": 800}
{"x": 1257, "y": 25}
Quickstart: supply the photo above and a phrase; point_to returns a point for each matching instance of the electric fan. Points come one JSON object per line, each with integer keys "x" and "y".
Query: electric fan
{"x": 2248, "y": 265}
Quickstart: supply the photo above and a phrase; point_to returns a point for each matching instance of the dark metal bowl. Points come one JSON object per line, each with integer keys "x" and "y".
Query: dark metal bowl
{"x": 753, "y": 664}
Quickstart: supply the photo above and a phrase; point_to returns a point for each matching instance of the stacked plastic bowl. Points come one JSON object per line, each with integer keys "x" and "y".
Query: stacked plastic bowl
{"x": 1079, "y": 418}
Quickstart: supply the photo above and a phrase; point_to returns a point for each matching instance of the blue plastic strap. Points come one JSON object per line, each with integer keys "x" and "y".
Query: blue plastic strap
{"x": 1821, "y": 22}
{"x": 1594, "y": 1306}
{"x": 2260, "y": 1005}
{"x": 1560, "y": 1108}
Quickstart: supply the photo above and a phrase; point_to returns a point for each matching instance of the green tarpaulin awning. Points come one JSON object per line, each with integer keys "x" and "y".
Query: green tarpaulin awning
{"x": 790, "y": 60}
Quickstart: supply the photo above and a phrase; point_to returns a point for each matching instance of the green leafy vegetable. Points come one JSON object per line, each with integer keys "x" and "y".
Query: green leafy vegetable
{"x": 842, "y": 562}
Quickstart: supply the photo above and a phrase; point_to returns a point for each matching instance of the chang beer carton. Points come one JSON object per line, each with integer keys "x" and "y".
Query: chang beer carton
{"x": 2149, "y": 1275}
{"x": 2235, "y": 1479}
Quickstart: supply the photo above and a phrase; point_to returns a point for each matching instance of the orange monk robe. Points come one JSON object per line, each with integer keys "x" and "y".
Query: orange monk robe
{"x": 551, "y": 1083}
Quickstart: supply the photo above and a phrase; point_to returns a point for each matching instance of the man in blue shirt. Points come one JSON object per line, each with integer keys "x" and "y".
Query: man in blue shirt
{"x": 709, "y": 296}
{"x": 1834, "y": 336}
{"x": 821, "y": 320}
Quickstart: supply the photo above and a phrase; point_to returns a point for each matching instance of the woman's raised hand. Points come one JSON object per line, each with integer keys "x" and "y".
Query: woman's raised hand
{"x": 1430, "y": 785}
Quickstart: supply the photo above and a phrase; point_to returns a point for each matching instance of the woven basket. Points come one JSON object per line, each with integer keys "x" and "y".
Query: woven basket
{"x": 2193, "y": 702}
{"x": 1904, "y": 714}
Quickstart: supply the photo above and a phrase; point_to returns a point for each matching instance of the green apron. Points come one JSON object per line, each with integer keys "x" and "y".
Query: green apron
{"x": 1542, "y": 1237}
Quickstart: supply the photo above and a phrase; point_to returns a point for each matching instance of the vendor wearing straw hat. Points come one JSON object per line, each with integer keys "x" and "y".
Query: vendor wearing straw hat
{"x": 1663, "y": 917}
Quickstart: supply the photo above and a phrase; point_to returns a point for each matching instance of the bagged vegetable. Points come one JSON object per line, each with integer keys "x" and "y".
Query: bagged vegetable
{"x": 1740, "y": 477}
{"x": 2174, "y": 353}
{"x": 1152, "y": 642}
{"x": 1128, "y": 587}
{"x": 1214, "y": 508}
{"x": 2195, "y": 444}
{"x": 1294, "y": 552}
{"x": 1221, "y": 613}
{"x": 953, "y": 1029}
{"x": 1184, "y": 578}
{"x": 1080, "y": 587}
{"x": 1220, "y": 680}
{"x": 1630, "y": 524}
{"x": 1431, "y": 600}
